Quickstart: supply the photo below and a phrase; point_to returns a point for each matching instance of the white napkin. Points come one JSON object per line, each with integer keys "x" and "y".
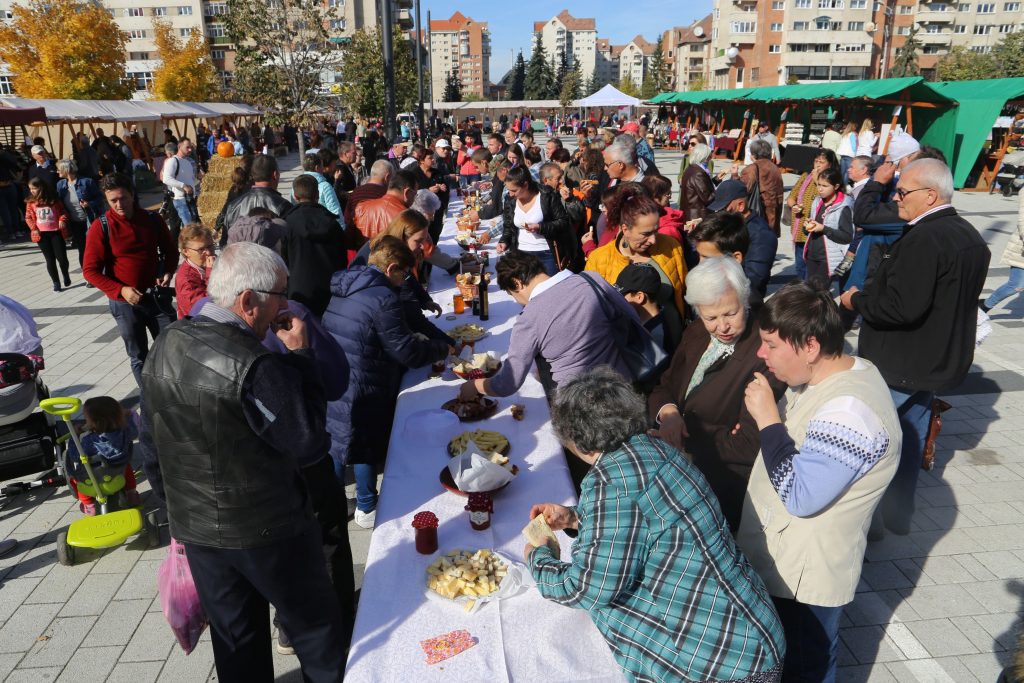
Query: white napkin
{"x": 473, "y": 473}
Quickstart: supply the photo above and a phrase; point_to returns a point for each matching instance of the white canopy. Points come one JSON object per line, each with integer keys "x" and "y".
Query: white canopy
{"x": 128, "y": 111}
{"x": 608, "y": 96}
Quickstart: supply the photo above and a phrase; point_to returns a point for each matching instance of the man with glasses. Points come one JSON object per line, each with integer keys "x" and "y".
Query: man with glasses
{"x": 920, "y": 315}
{"x": 620, "y": 161}
{"x": 228, "y": 427}
{"x": 130, "y": 256}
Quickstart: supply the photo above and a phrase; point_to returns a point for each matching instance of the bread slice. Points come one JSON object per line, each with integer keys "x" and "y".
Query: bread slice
{"x": 538, "y": 533}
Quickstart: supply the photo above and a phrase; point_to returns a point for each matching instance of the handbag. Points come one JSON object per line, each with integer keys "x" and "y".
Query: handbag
{"x": 640, "y": 352}
{"x": 755, "y": 203}
{"x": 787, "y": 215}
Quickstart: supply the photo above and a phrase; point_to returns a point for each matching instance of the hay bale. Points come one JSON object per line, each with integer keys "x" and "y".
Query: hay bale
{"x": 213, "y": 188}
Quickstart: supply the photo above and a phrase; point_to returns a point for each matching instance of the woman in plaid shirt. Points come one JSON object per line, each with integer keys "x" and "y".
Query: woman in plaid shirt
{"x": 654, "y": 562}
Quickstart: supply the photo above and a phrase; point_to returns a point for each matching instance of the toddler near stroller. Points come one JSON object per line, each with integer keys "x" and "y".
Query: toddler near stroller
{"x": 107, "y": 439}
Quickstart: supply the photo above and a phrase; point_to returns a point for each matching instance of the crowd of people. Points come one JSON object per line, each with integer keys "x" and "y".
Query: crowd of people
{"x": 744, "y": 474}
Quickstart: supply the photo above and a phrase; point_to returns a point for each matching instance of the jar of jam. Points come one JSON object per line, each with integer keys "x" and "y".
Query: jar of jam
{"x": 425, "y": 524}
{"x": 480, "y": 507}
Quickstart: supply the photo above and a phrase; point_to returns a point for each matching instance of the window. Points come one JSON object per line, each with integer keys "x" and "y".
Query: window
{"x": 852, "y": 47}
{"x": 138, "y": 55}
{"x": 184, "y": 10}
{"x": 858, "y": 4}
{"x": 778, "y": 4}
{"x": 777, "y": 27}
{"x": 338, "y": 24}
{"x": 216, "y": 31}
{"x": 743, "y": 26}
{"x": 1006, "y": 28}
{"x": 215, "y": 9}
{"x": 137, "y": 33}
{"x": 800, "y": 25}
{"x": 185, "y": 32}
{"x": 986, "y": 7}
{"x": 1011, "y": 7}
{"x": 938, "y": 7}
{"x": 982, "y": 49}
{"x": 830, "y": 4}
{"x": 133, "y": 12}
{"x": 750, "y": 9}
{"x": 982, "y": 29}
{"x": 774, "y": 49}
{"x": 217, "y": 54}
{"x": 159, "y": 11}
{"x": 803, "y": 4}
{"x": 142, "y": 79}
{"x": 855, "y": 26}
{"x": 739, "y": 74}
{"x": 933, "y": 28}
{"x": 964, "y": 7}
{"x": 6, "y": 87}
{"x": 336, "y": 3}
{"x": 8, "y": 14}
{"x": 696, "y": 48}
{"x": 822, "y": 25}
{"x": 906, "y": 9}
{"x": 903, "y": 30}
{"x": 933, "y": 49}
{"x": 849, "y": 73}
{"x": 755, "y": 74}
{"x": 959, "y": 29}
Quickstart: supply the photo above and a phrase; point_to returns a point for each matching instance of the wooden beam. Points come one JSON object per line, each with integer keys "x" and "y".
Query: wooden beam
{"x": 923, "y": 105}
{"x": 910, "y": 120}
{"x": 60, "y": 137}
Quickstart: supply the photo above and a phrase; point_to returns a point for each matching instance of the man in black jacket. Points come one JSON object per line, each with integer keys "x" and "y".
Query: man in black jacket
{"x": 232, "y": 471}
{"x": 263, "y": 194}
{"x": 920, "y": 315}
{"x": 314, "y": 247}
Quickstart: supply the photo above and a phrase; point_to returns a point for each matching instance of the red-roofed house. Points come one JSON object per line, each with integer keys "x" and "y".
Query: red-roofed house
{"x": 461, "y": 46}
{"x": 577, "y": 38}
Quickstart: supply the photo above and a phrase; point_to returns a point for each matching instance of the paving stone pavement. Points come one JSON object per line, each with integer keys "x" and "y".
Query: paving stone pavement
{"x": 942, "y": 604}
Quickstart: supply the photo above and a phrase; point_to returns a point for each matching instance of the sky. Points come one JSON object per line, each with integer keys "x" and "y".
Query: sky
{"x": 511, "y": 23}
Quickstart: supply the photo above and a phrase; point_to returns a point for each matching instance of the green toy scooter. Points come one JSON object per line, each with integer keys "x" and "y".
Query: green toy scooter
{"x": 111, "y": 526}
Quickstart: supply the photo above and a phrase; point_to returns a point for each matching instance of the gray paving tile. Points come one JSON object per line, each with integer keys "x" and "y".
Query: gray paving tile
{"x": 13, "y": 595}
{"x": 1002, "y": 630}
{"x": 151, "y": 641}
{"x": 196, "y": 666}
{"x": 941, "y": 637}
{"x": 7, "y": 664}
{"x": 870, "y": 644}
{"x": 884, "y": 575}
{"x": 1003, "y": 563}
{"x": 985, "y": 666}
{"x": 93, "y": 662}
{"x": 944, "y": 569}
{"x": 135, "y": 672}
{"x": 117, "y": 624}
{"x": 28, "y": 622}
{"x": 92, "y": 597}
{"x": 945, "y": 670}
{"x": 34, "y": 675}
{"x": 933, "y": 602}
{"x": 141, "y": 582}
{"x": 59, "y": 584}
{"x": 58, "y": 644}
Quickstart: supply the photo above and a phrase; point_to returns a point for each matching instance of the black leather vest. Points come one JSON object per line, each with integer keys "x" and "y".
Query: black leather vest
{"x": 225, "y": 487}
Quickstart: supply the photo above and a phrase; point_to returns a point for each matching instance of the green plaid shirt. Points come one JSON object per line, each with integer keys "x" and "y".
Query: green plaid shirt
{"x": 660, "y": 574}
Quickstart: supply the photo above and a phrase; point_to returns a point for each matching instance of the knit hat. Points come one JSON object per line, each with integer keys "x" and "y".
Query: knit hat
{"x": 902, "y": 145}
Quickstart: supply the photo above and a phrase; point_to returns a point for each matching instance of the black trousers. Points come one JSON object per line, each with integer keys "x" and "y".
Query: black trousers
{"x": 78, "y": 230}
{"x": 55, "y": 252}
{"x": 235, "y": 588}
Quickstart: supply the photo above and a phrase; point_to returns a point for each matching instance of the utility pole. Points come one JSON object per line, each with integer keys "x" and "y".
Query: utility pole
{"x": 430, "y": 67}
{"x": 419, "y": 71}
{"x": 390, "y": 115}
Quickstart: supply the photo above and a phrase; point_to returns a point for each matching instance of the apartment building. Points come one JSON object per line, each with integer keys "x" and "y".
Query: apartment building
{"x": 576, "y": 38}
{"x": 772, "y": 42}
{"x": 461, "y": 46}
{"x": 686, "y": 51}
{"x": 606, "y": 62}
{"x": 635, "y": 60}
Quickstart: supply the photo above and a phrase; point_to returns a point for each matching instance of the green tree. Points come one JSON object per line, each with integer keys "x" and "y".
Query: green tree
{"x": 63, "y": 49}
{"x": 362, "y": 72}
{"x": 697, "y": 84}
{"x": 960, "y": 64}
{"x": 905, "y": 62}
{"x": 516, "y": 89}
{"x": 792, "y": 80}
{"x": 570, "y": 89}
{"x": 1008, "y": 55}
{"x": 539, "y": 79}
{"x": 283, "y": 47}
{"x": 452, "y": 88}
{"x": 658, "y": 70}
{"x": 186, "y": 72}
{"x": 627, "y": 87}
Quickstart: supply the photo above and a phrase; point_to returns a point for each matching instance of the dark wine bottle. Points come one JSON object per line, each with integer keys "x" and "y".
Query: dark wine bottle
{"x": 485, "y": 306}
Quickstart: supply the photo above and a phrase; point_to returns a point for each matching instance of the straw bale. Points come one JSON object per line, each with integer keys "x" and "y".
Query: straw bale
{"x": 213, "y": 188}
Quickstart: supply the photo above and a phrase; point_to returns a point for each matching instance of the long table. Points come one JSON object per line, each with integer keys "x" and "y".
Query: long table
{"x": 524, "y": 638}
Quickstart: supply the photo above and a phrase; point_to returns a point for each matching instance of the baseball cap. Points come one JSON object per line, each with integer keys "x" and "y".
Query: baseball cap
{"x": 442, "y": 143}
{"x": 726, "y": 193}
{"x": 631, "y": 127}
{"x": 639, "y": 277}
{"x": 763, "y": 124}
{"x": 902, "y": 145}
{"x": 399, "y": 140}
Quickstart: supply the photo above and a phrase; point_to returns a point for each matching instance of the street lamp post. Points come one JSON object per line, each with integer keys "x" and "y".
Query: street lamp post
{"x": 419, "y": 71}
{"x": 390, "y": 115}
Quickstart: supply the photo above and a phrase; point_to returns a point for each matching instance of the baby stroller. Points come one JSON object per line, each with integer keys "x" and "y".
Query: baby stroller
{"x": 28, "y": 439}
{"x": 115, "y": 521}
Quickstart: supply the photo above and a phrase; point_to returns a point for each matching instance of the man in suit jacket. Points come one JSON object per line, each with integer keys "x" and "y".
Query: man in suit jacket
{"x": 920, "y": 313}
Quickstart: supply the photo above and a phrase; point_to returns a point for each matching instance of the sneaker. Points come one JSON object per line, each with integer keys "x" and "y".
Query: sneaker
{"x": 88, "y": 509}
{"x": 132, "y": 498}
{"x": 89, "y": 285}
{"x": 284, "y": 643}
{"x": 67, "y": 280}
{"x": 365, "y": 519}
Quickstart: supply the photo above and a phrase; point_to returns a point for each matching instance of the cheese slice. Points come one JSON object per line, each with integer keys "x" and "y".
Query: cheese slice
{"x": 538, "y": 533}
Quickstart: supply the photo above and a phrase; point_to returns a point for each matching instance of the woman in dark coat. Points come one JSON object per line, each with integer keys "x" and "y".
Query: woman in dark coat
{"x": 695, "y": 187}
{"x": 535, "y": 221}
{"x": 365, "y": 317}
{"x": 699, "y": 402}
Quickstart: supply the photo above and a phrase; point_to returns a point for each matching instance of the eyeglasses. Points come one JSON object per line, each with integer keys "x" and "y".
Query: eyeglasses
{"x": 283, "y": 294}
{"x": 902, "y": 192}
{"x": 205, "y": 248}
{"x": 609, "y": 165}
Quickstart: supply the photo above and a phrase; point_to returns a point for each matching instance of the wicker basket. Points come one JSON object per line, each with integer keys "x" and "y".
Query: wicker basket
{"x": 468, "y": 292}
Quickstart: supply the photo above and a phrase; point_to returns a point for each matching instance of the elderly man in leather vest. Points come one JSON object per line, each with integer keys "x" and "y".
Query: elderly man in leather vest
{"x": 232, "y": 425}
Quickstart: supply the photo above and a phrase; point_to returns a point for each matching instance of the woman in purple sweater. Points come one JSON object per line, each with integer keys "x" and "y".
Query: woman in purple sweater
{"x": 562, "y": 327}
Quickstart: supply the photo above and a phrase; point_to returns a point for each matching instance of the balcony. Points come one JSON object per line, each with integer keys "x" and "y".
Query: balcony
{"x": 219, "y": 40}
{"x": 943, "y": 38}
{"x": 935, "y": 18}
{"x": 404, "y": 4}
{"x": 405, "y": 20}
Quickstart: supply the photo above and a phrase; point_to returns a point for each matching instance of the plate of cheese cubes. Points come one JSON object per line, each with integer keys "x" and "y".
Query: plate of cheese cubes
{"x": 471, "y": 578}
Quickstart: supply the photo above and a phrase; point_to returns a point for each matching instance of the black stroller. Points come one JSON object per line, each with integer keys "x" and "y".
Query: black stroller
{"x": 28, "y": 436}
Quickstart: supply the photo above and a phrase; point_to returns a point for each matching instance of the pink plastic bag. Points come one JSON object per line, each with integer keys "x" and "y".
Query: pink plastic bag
{"x": 179, "y": 599}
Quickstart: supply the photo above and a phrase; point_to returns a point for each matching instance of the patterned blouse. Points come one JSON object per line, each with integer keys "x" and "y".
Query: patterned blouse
{"x": 805, "y": 191}
{"x": 660, "y": 574}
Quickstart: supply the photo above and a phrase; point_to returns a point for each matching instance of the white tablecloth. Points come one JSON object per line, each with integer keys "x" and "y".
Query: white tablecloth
{"x": 525, "y": 638}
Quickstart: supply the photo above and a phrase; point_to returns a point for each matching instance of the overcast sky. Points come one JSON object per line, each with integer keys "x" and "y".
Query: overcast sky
{"x": 511, "y": 23}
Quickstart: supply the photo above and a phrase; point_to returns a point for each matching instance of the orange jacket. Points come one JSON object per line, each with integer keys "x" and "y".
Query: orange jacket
{"x": 373, "y": 216}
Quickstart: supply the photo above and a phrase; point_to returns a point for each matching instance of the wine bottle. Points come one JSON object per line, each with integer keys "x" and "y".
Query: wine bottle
{"x": 485, "y": 307}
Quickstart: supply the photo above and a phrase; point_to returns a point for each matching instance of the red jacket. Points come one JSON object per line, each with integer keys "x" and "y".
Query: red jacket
{"x": 189, "y": 286}
{"x": 671, "y": 224}
{"x": 133, "y": 254}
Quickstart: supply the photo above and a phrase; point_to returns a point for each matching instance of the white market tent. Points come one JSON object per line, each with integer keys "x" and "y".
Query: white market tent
{"x": 608, "y": 96}
{"x": 149, "y": 117}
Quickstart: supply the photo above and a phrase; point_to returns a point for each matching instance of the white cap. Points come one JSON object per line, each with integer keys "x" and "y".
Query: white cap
{"x": 901, "y": 146}
{"x": 442, "y": 143}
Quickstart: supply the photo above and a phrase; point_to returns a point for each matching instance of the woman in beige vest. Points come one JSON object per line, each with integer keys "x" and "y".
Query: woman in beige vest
{"x": 828, "y": 451}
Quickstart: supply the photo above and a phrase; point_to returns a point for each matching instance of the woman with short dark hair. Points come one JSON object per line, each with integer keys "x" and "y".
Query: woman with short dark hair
{"x": 653, "y": 563}
{"x": 829, "y": 449}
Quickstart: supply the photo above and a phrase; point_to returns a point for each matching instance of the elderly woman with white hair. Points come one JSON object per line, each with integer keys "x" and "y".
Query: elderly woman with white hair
{"x": 698, "y": 405}
{"x": 695, "y": 187}
{"x": 82, "y": 199}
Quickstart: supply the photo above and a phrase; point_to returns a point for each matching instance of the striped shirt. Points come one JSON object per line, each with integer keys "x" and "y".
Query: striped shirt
{"x": 660, "y": 574}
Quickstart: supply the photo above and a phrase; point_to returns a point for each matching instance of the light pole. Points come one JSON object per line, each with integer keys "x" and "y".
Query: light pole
{"x": 389, "y": 70}
{"x": 430, "y": 67}
{"x": 419, "y": 71}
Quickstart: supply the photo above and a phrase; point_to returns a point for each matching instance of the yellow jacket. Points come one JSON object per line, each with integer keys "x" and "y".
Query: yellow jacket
{"x": 608, "y": 262}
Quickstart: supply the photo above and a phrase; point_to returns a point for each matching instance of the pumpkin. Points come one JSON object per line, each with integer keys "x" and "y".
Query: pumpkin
{"x": 225, "y": 149}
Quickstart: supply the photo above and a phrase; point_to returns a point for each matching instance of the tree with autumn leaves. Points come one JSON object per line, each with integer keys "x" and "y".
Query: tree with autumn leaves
{"x": 186, "y": 72}
{"x": 49, "y": 49}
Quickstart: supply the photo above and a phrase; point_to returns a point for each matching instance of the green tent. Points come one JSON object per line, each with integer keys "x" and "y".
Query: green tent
{"x": 980, "y": 105}
{"x": 660, "y": 98}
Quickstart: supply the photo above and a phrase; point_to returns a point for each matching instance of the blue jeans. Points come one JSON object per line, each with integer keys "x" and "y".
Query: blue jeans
{"x": 812, "y": 633}
{"x": 897, "y": 506}
{"x": 366, "y": 483}
{"x": 1014, "y": 284}
{"x": 547, "y": 259}
{"x": 133, "y": 322}
{"x": 798, "y": 260}
{"x": 184, "y": 211}
{"x": 844, "y": 167}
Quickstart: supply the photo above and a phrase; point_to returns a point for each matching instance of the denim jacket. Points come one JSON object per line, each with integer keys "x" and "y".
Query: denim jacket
{"x": 87, "y": 189}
